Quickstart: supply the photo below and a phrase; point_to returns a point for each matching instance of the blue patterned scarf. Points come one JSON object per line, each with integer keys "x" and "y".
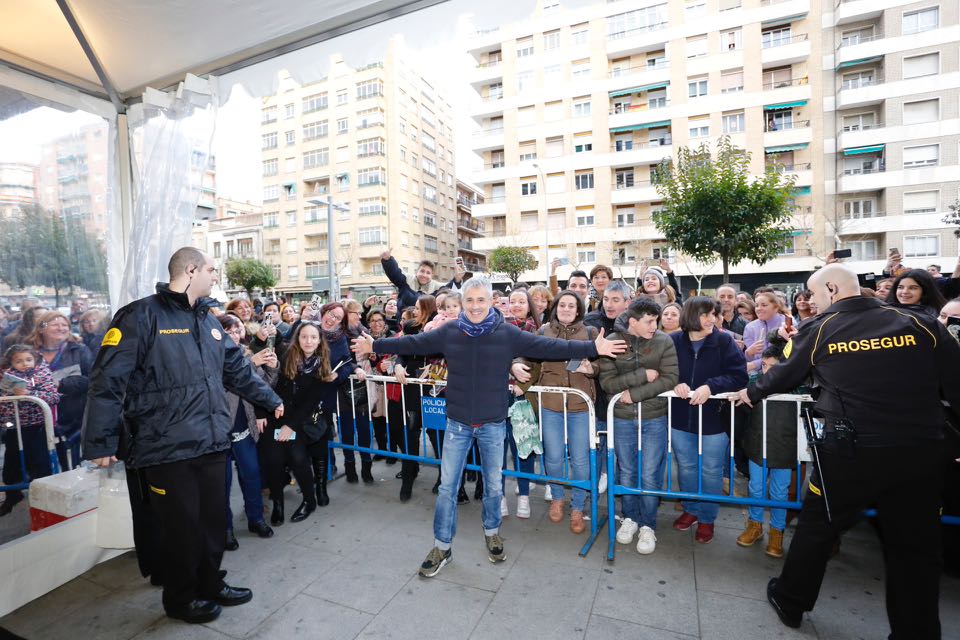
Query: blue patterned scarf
{"x": 484, "y": 327}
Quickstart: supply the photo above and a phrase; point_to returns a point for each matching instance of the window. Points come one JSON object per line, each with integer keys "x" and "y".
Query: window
{"x": 496, "y": 159}
{"x": 314, "y": 130}
{"x": 289, "y": 165}
{"x": 525, "y": 47}
{"x": 430, "y": 244}
{"x": 921, "y": 20}
{"x": 369, "y": 118}
{"x": 582, "y": 147}
{"x": 657, "y": 99}
{"x": 626, "y": 217}
{"x": 628, "y": 23}
{"x": 341, "y": 97}
{"x": 859, "y": 121}
{"x": 369, "y": 89}
{"x": 289, "y": 111}
{"x": 581, "y": 107}
{"x": 291, "y": 218}
{"x": 694, "y": 9}
{"x": 731, "y": 81}
{"x": 661, "y": 251}
{"x": 697, "y": 87}
{"x": 586, "y": 254}
{"x": 343, "y": 238}
{"x": 371, "y": 176}
{"x": 921, "y": 201}
{"x": 529, "y": 221}
{"x": 269, "y": 140}
{"x": 862, "y": 249}
{"x": 858, "y": 79}
{"x": 554, "y": 147}
{"x": 291, "y": 245}
{"x": 315, "y": 102}
{"x": 495, "y": 91}
{"x": 528, "y": 150}
{"x": 528, "y": 186}
{"x": 788, "y": 248}
{"x": 370, "y": 147}
{"x": 623, "y": 142}
{"x": 555, "y": 183}
{"x": 271, "y": 167}
{"x": 268, "y": 114}
{"x": 291, "y": 137}
{"x": 429, "y": 218}
{"x": 580, "y": 34}
{"x": 414, "y": 160}
{"x": 926, "y": 65}
{"x": 405, "y": 238}
{"x": 856, "y": 36}
{"x": 922, "y": 156}
{"x": 430, "y": 168}
{"x": 343, "y": 182}
{"x": 581, "y": 69}
{"x": 585, "y": 217}
{"x": 857, "y": 165}
{"x": 624, "y": 179}
{"x": 216, "y": 249}
{"x": 925, "y": 246}
{"x": 428, "y": 142}
{"x": 311, "y": 215}
{"x": 524, "y": 81}
{"x": 553, "y": 110}
{"x": 430, "y": 193}
{"x": 697, "y": 46}
{"x": 316, "y": 158}
{"x": 921, "y": 111}
{"x": 583, "y": 180}
{"x": 341, "y": 126}
{"x": 733, "y": 122}
{"x": 271, "y": 192}
{"x": 293, "y": 273}
{"x": 271, "y": 220}
{"x": 778, "y": 78}
{"x": 776, "y": 37}
{"x": 699, "y": 127}
{"x": 372, "y": 235}
{"x": 727, "y": 5}
{"x": 551, "y": 40}
{"x": 861, "y": 208}
{"x": 731, "y": 40}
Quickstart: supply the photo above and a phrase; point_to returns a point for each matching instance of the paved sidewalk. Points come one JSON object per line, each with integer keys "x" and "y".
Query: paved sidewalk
{"x": 349, "y": 571}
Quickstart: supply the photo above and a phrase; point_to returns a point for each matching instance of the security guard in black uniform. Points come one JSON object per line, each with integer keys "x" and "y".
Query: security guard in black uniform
{"x": 157, "y": 399}
{"x": 881, "y": 371}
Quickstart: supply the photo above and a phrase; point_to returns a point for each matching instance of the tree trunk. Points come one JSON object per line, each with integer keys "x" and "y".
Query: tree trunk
{"x": 56, "y": 295}
{"x": 726, "y": 267}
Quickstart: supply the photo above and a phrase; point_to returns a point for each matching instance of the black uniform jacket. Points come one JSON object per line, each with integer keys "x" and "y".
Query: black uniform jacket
{"x": 159, "y": 383}
{"x": 882, "y": 368}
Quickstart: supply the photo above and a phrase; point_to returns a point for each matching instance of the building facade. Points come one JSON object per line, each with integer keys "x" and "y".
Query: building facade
{"x": 469, "y": 229}
{"x": 18, "y": 187}
{"x": 338, "y": 140}
{"x": 577, "y": 107}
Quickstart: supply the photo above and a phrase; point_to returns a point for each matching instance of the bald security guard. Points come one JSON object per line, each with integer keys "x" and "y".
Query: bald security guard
{"x": 157, "y": 400}
{"x": 881, "y": 373}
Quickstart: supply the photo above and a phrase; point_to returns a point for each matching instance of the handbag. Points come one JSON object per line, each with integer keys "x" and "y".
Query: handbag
{"x": 315, "y": 428}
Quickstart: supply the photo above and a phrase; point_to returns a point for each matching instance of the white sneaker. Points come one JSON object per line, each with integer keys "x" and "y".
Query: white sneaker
{"x": 504, "y": 509}
{"x": 602, "y": 485}
{"x": 548, "y": 495}
{"x": 646, "y": 541}
{"x": 523, "y": 507}
{"x": 628, "y": 529}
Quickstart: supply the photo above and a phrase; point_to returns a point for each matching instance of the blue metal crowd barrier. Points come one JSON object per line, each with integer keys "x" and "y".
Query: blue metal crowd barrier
{"x": 48, "y": 428}
{"x": 589, "y": 485}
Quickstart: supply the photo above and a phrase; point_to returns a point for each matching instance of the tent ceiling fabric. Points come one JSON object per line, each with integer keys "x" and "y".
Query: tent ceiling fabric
{"x": 144, "y": 43}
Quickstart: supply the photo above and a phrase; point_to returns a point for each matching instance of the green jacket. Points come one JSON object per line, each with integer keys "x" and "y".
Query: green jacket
{"x": 629, "y": 372}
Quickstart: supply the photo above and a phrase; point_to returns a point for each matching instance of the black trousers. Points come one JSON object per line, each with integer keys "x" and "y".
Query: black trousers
{"x": 34, "y": 452}
{"x": 147, "y": 531}
{"x": 276, "y": 457}
{"x": 408, "y": 440}
{"x": 190, "y": 502}
{"x": 905, "y": 485}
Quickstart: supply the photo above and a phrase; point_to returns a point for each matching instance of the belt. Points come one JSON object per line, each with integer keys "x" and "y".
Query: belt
{"x": 239, "y": 435}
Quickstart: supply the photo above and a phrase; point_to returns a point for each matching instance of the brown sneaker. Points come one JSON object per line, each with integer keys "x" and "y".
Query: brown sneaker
{"x": 577, "y": 523}
{"x": 751, "y": 534}
{"x": 556, "y": 511}
{"x": 775, "y": 543}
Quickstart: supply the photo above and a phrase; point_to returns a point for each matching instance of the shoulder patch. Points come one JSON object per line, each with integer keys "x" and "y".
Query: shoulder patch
{"x": 788, "y": 349}
{"x": 112, "y": 338}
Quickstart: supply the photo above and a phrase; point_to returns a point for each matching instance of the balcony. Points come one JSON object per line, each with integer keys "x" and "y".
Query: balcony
{"x": 496, "y": 206}
{"x": 781, "y": 84}
{"x": 864, "y": 179}
{"x": 848, "y": 11}
{"x": 466, "y": 203}
{"x": 470, "y": 226}
{"x": 789, "y": 50}
{"x": 640, "y": 153}
{"x": 641, "y": 191}
{"x": 650, "y": 114}
{"x": 488, "y": 139}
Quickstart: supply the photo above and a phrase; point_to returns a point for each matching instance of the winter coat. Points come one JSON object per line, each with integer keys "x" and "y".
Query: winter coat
{"x": 233, "y": 400}
{"x": 721, "y": 366}
{"x": 161, "y": 382}
{"x": 73, "y": 389}
{"x": 629, "y": 372}
{"x": 555, "y": 374}
{"x": 302, "y": 397}
{"x": 40, "y": 384}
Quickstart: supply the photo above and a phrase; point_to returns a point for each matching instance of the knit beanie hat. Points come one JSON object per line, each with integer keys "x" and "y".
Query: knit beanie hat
{"x": 657, "y": 272}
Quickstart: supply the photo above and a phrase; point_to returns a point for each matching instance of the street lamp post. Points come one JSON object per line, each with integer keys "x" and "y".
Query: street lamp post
{"x": 546, "y": 225}
{"x": 334, "y": 280}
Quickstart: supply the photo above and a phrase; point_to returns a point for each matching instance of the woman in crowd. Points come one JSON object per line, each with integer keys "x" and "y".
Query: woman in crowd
{"x": 747, "y": 310}
{"x": 803, "y": 306}
{"x": 28, "y": 322}
{"x": 305, "y": 377}
{"x": 566, "y": 323}
{"x": 770, "y": 317}
{"x": 70, "y": 361}
{"x": 542, "y": 298}
{"x": 600, "y": 277}
{"x": 242, "y": 308}
{"x": 92, "y": 328}
{"x": 653, "y": 285}
{"x": 377, "y": 322}
{"x": 884, "y": 285}
{"x": 710, "y": 363}
{"x": 245, "y": 432}
{"x": 392, "y": 315}
{"x": 354, "y": 409}
{"x": 670, "y": 318}
{"x": 916, "y": 289}
{"x": 289, "y": 316}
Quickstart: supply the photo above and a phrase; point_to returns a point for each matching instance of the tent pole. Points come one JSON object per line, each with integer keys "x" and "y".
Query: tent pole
{"x": 91, "y": 56}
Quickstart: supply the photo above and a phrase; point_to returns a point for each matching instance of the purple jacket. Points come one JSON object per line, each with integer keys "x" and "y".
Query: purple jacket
{"x": 759, "y": 330}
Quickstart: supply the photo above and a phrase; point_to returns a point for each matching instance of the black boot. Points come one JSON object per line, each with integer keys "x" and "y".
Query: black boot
{"x": 462, "y": 496}
{"x": 478, "y": 491}
{"x": 13, "y": 497}
{"x": 320, "y": 476}
{"x": 276, "y": 518}
{"x": 407, "y": 475}
{"x": 304, "y": 510}
{"x": 436, "y": 485}
{"x": 232, "y": 544}
{"x": 350, "y": 468}
{"x": 365, "y": 473}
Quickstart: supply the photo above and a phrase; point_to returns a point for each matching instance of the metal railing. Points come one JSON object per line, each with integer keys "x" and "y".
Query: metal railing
{"x": 52, "y": 439}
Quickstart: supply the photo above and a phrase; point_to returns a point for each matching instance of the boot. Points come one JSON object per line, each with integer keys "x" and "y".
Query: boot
{"x": 752, "y": 533}
{"x": 775, "y": 543}
{"x": 320, "y": 477}
{"x": 365, "y": 473}
{"x": 13, "y": 498}
{"x": 276, "y": 518}
{"x": 303, "y": 511}
{"x": 478, "y": 490}
{"x": 350, "y": 469}
{"x": 462, "y": 496}
{"x": 407, "y": 475}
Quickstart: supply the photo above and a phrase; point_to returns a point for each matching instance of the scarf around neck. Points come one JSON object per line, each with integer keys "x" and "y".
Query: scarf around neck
{"x": 335, "y": 335}
{"x": 482, "y": 328}
{"x": 308, "y": 366}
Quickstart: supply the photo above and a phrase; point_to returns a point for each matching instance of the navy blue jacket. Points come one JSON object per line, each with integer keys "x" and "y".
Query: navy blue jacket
{"x": 73, "y": 389}
{"x": 721, "y": 366}
{"x": 478, "y": 368}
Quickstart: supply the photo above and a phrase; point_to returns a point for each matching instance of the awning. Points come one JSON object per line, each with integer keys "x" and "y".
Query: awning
{"x": 801, "y": 232}
{"x": 856, "y": 63}
{"x": 639, "y": 127}
{"x": 646, "y": 87}
{"x": 787, "y": 147}
{"x": 856, "y": 151}
{"x": 784, "y": 105}
{"x": 801, "y": 191}
{"x": 776, "y": 22}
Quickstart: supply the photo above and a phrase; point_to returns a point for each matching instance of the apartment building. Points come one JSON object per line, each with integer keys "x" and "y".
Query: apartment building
{"x": 894, "y": 70}
{"x": 235, "y": 231}
{"x": 469, "y": 229}
{"x": 18, "y": 187}
{"x": 340, "y": 139}
{"x": 577, "y": 107}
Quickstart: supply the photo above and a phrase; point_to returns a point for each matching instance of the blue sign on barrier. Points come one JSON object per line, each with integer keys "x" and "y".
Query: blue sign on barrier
{"x": 434, "y": 412}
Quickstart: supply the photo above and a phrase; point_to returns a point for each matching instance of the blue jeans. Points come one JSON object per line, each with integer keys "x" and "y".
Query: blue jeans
{"x": 525, "y": 465}
{"x": 641, "y": 509}
{"x": 577, "y": 446}
{"x": 779, "y": 489}
{"x": 457, "y": 442}
{"x": 716, "y": 451}
{"x": 244, "y": 453}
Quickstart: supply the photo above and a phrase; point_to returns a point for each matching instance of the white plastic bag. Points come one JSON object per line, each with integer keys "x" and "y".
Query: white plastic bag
{"x": 114, "y": 517}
